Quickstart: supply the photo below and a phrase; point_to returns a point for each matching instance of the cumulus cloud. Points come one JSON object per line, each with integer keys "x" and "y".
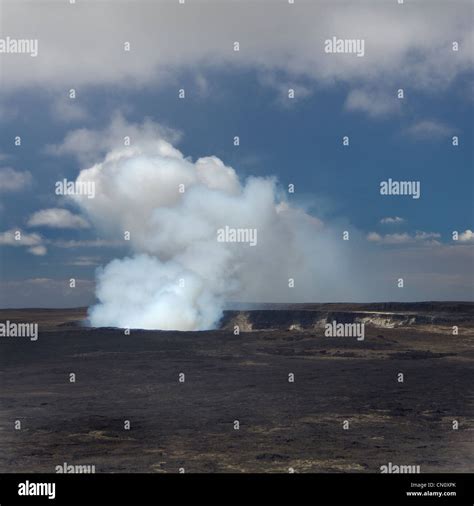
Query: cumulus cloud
{"x": 88, "y": 145}
{"x": 57, "y": 218}
{"x": 33, "y": 242}
{"x": 466, "y": 236}
{"x": 179, "y": 274}
{"x": 13, "y": 180}
{"x": 395, "y": 220}
{"x": 427, "y": 238}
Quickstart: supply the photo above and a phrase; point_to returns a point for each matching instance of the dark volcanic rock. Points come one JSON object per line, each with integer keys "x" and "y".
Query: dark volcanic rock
{"x": 246, "y": 378}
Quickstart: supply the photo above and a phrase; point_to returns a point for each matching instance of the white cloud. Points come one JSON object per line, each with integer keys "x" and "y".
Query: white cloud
{"x": 395, "y": 220}
{"x": 373, "y": 102}
{"x": 88, "y": 243}
{"x": 87, "y": 145}
{"x": 14, "y": 180}
{"x": 283, "y": 85}
{"x": 33, "y": 242}
{"x": 466, "y": 236}
{"x": 427, "y": 238}
{"x": 57, "y": 218}
{"x": 14, "y": 237}
{"x": 84, "y": 261}
{"x": 408, "y": 43}
{"x": 39, "y": 250}
{"x": 429, "y": 130}
{"x": 423, "y": 236}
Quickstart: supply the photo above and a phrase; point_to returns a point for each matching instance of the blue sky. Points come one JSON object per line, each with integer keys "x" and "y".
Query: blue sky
{"x": 297, "y": 140}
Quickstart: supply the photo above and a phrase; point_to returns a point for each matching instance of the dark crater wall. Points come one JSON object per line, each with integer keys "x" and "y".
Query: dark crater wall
{"x": 383, "y": 315}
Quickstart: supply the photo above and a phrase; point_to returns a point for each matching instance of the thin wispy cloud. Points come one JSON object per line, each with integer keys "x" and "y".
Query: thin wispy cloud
{"x": 395, "y": 220}
{"x": 373, "y": 102}
{"x": 429, "y": 238}
{"x": 12, "y": 180}
{"x": 429, "y": 130}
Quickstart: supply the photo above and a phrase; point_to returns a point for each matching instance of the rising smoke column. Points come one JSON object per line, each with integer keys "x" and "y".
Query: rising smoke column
{"x": 178, "y": 275}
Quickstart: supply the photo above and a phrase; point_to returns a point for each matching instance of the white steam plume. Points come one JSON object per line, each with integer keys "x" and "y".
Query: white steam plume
{"x": 180, "y": 276}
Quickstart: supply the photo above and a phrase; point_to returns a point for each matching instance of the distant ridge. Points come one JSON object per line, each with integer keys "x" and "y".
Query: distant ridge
{"x": 424, "y": 306}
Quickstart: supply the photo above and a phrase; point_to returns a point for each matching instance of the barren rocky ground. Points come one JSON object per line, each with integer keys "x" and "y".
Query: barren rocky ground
{"x": 227, "y": 378}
